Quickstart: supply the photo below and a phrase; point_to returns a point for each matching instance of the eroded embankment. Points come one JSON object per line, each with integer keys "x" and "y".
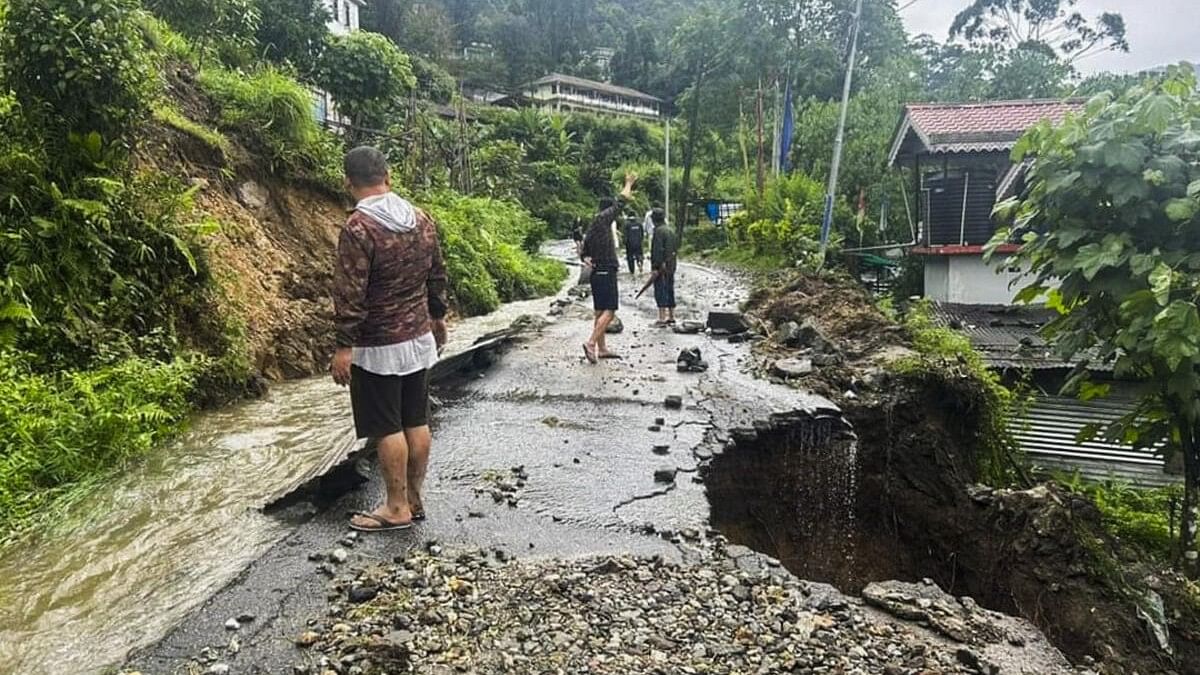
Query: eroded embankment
{"x": 897, "y": 498}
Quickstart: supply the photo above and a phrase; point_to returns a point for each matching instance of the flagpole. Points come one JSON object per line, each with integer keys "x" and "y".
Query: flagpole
{"x": 840, "y": 139}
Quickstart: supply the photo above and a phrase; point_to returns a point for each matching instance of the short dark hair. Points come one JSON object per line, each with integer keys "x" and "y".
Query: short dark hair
{"x": 366, "y": 167}
{"x": 607, "y": 203}
{"x": 658, "y": 216}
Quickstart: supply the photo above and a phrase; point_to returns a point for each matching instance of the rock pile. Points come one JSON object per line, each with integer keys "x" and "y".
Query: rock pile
{"x": 469, "y": 613}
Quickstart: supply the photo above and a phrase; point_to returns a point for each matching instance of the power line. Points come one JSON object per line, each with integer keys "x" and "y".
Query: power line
{"x": 906, "y": 5}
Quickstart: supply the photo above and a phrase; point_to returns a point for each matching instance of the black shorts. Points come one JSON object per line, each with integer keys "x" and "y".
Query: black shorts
{"x": 604, "y": 290}
{"x": 388, "y": 404}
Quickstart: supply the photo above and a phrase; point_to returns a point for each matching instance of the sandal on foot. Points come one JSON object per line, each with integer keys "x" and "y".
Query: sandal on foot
{"x": 385, "y": 525}
{"x": 418, "y": 516}
{"x": 589, "y": 352}
{"x": 610, "y": 355}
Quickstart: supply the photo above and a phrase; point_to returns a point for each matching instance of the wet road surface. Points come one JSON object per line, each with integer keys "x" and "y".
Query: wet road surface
{"x": 582, "y": 434}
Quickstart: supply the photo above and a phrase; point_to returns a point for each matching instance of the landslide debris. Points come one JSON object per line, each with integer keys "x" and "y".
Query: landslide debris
{"x": 468, "y": 613}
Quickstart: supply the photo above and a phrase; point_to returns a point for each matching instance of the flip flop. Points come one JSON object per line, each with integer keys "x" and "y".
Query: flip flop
{"x": 384, "y": 524}
{"x": 610, "y": 355}
{"x": 590, "y": 353}
{"x": 418, "y": 516}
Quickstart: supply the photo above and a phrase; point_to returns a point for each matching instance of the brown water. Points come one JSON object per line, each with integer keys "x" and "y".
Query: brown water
{"x": 159, "y": 540}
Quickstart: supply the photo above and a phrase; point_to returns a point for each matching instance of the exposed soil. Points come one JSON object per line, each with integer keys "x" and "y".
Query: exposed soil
{"x": 902, "y": 503}
{"x": 272, "y": 258}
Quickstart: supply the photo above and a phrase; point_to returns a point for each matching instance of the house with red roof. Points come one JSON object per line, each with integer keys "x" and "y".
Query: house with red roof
{"x": 959, "y": 156}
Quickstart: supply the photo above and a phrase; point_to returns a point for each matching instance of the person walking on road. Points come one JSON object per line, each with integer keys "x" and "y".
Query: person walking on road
{"x": 599, "y": 254}
{"x": 635, "y": 240}
{"x": 664, "y": 254}
{"x": 390, "y": 298}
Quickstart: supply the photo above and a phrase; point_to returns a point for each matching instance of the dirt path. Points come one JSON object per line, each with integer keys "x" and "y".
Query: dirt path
{"x": 544, "y": 458}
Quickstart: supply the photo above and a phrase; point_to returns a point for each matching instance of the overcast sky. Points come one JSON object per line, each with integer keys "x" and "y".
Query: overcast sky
{"x": 1159, "y": 31}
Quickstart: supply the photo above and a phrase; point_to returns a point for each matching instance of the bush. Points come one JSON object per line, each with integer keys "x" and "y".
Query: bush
{"x": 61, "y": 430}
{"x": 77, "y": 67}
{"x": 488, "y": 246}
{"x": 225, "y": 28}
{"x": 293, "y": 32}
{"x": 786, "y": 221}
{"x": 274, "y": 112}
{"x": 368, "y": 76}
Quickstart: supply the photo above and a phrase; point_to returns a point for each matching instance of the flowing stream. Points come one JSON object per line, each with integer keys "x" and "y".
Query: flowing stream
{"x": 146, "y": 549}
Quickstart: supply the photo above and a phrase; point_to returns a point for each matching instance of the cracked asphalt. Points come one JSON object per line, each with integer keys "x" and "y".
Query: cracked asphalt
{"x": 584, "y": 436}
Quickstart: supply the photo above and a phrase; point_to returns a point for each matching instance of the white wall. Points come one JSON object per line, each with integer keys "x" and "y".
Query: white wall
{"x": 966, "y": 279}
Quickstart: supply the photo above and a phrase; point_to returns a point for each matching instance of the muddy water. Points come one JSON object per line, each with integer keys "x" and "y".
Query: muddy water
{"x": 148, "y": 548}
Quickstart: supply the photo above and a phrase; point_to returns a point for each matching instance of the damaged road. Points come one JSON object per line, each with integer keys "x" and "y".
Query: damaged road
{"x": 540, "y": 462}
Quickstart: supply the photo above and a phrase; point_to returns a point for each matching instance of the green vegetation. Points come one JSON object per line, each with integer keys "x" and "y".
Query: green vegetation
{"x": 487, "y": 244}
{"x": 61, "y": 433}
{"x": 1147, "y": 519}
{"x": 272, "y": 113}
{"x": 946, "y": 359}
{"x": 1109, "y": 225}
{"x": 368, "y": 76}
{"x": 171, "y": 116}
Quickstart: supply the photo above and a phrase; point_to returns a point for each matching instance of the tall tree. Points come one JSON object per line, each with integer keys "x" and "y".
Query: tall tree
{"x": 1055, "y": 24}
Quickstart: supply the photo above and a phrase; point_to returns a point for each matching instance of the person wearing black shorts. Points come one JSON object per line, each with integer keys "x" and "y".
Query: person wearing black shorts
{"x": 599, "y": 253}
{"x": 390, "y": 296}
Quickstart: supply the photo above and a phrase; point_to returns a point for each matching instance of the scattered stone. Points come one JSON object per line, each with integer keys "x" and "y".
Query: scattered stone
{"x": 662, "y": 449}
{"x": 691, "y": 361}
{"x": 660, "y": 421}
{"x": 217, "y": 669}
{"x": 252, "y": 195}
{"x": 307, "y": 639}
{"x": 232, "y": 624}
{"x": 246, "y": 618}
{"x": 361, "y": 594}
{"x": 655, "y": 428}
{"x": 793, "y": 368}
{"x": 673, "y": 402}
{"x": 730, "y": 323}
{"x": 665, "y": 474}
{"x": 339, "y": 556}
{"x": 688, "y": 327}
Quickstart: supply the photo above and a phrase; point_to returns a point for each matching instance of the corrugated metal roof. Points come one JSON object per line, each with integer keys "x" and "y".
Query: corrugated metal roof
{"x": 1006, "y": 336}
{"x": 1049, "y": 430}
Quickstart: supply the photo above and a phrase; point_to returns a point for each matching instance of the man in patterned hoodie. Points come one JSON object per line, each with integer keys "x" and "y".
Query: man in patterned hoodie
{"x": 390, "y": 299}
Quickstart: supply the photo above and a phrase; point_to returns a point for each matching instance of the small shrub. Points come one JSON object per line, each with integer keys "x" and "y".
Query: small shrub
{"x": 77, "y": 67}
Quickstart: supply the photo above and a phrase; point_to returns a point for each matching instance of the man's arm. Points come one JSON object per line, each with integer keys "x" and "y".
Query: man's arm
{"x": 351, "y": 274}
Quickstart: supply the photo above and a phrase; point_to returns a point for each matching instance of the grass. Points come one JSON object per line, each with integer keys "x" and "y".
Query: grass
{"x": 172, "y": 117}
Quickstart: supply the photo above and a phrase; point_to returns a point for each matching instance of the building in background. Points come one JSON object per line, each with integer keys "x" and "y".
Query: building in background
{"x": 960, "y": 159}
{"x": 959, "y": 154}
{"x": 566, "y": 93}
{"x": 343, "y": 20}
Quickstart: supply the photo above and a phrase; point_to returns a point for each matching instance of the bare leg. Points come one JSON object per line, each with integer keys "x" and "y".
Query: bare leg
{"x": 599, "y": 333}
{"x": 420, "y": 439}
{"x": 393, "y": 462}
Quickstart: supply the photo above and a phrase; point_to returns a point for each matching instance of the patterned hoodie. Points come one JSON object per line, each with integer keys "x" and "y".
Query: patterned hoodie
{"x": 389, "y": 280}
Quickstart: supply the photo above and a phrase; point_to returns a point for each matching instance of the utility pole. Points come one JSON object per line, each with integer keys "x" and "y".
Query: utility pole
{"x": 840, "y": 139}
